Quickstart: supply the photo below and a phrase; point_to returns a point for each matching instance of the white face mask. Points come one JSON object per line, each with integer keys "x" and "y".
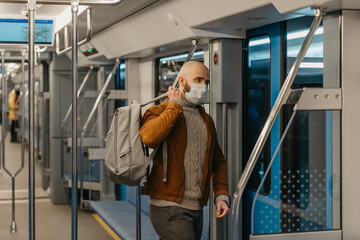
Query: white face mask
{"x": 197, "y": 94}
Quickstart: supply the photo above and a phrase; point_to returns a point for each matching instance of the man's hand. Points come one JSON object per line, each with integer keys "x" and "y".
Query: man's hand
{"x": 174, "y": 93}
{"x": 221, "y": 209}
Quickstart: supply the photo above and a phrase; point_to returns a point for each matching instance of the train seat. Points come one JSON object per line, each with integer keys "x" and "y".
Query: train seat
{"x": 120, "y": 216}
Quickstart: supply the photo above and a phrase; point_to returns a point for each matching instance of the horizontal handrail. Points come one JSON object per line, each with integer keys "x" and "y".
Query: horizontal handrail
{"x": 67, "y": 2}
{"x": 281, "y": 100}
{"x": 78, "y": 94}
{"x": 101, "y": 94}
{"x": 66, "y": 38}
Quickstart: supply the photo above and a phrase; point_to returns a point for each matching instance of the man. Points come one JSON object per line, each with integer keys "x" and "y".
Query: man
{"x": 194, "y": 156}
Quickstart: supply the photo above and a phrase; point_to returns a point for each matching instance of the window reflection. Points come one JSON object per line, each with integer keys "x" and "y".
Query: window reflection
{"x": 170, "y": 66}
{"x": 311, "y": 69}
{"x": 258, "y": 105}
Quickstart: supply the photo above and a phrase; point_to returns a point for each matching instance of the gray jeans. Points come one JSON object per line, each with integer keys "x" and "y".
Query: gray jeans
{"x": 176, "y": 222}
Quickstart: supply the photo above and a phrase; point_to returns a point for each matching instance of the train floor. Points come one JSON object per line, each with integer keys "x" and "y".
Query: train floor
{"x": 51, "y": 221}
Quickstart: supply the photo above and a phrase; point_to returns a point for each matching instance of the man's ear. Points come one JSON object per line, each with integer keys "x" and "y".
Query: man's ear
{"x": 181, "y": 82}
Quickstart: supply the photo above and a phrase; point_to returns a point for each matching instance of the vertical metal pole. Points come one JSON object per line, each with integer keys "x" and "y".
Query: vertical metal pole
{"x": 13, "y": 228}
{"x": 138, "y": 213}
{"x": 74, "y": 195}
{"x": 224, "y": 147}
{"x": 3, "y": 134}
{"x": 3, "y": 105}
{"x": 22, "y": 105}
{"x": 31, "y": 10}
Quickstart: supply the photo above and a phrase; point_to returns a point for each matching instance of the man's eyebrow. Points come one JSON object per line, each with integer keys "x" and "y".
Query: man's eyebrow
{"x": 202, "y": 78}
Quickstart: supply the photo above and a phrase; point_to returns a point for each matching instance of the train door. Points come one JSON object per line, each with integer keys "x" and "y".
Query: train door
{"x": 261, "y": 86}
{"x": 298, "y": 196}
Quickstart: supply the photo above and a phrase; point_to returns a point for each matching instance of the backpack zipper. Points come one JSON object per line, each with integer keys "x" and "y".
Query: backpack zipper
{"x": 124, "y": 153}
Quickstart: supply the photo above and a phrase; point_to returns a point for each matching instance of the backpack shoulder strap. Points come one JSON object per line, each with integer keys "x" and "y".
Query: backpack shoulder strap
{"x": 164, "y": 153}
{"x": 165, "y": 161}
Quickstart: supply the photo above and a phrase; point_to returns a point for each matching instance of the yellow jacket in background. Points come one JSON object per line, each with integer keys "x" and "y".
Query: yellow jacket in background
{"x": 13, "y": 107}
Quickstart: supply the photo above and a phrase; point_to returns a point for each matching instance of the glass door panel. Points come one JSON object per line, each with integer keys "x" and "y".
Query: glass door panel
{"x": 261, "y": 87}
{"x": 307, "y": 196}
{"x": 301, "y": 191}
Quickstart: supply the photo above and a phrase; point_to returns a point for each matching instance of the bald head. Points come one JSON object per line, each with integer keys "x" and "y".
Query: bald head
{"x": 193, "y": 72}
{"x": 191, "y": 67}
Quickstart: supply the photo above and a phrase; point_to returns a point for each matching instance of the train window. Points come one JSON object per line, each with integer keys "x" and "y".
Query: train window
{"x": 310, "y": 73}
{"x": 120, "y": 76}
{"x": 257, "y": 107}
{"x": 120, "y": 79}
{"x": 168, "y": 68}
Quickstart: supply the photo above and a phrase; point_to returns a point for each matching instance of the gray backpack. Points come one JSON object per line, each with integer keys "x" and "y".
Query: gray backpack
{"x": 125, "y": 157}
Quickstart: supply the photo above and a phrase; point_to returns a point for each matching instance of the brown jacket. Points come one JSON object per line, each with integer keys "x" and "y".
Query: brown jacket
{"x": 166, "y": 121}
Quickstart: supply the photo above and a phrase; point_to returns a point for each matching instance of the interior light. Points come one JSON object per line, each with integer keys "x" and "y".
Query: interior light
{"x": 301, "y": 34}
{"x": 290, "y": 36}
{"x": 312, "y": 65}
{"x": 259, "y": 42}
{"x": 200, "y": 53}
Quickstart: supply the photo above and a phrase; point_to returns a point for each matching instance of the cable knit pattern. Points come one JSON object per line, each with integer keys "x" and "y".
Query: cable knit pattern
{"x": 184, "y": 103}
{"x": 193, "y": 162}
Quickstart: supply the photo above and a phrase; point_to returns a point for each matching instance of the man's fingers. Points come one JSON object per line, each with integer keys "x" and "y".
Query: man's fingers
{"x": 221, "y": 210}
{"x": 224, "y": 212}
{"x": 218, "y": 210}
{"x": 174, "y": 93}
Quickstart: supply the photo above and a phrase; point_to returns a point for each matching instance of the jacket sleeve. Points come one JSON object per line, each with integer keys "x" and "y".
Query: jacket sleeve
{"x": 219, "y": 169}
{"x": 158, "y": 122}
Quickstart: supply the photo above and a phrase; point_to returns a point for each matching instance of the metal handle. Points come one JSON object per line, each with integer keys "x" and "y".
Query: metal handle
{"x": 13, "y": 228}
{"x": 269, "y": 167}
{"x": 3, "y": 114}
{"x": 194, "y": 46}
{"x": 66, "y": 37}
{"x": 281, "y": 99}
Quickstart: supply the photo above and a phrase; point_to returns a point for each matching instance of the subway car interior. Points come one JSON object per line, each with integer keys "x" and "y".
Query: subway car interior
{"x": 284, "y": 95}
